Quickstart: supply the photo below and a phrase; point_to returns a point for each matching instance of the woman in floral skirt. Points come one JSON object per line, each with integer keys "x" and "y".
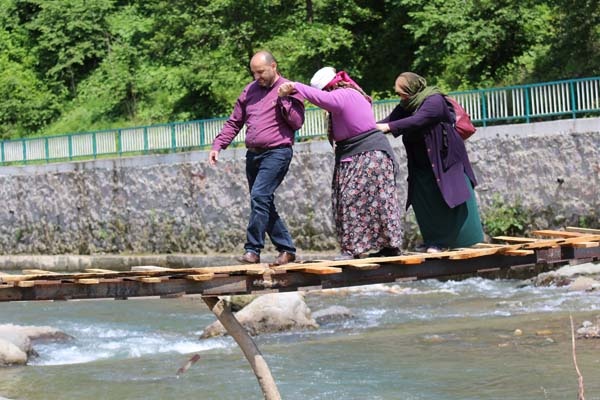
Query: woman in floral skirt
{"x": 364, "y": 194}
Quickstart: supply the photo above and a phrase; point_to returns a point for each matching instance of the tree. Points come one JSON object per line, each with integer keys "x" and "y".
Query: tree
{"x": 71, "y": 37}
{"x": 91, "y": 64}
{"x": 575, "y": 50}
{"x": 27, "y": 104}
{"x": 466, "y": 43}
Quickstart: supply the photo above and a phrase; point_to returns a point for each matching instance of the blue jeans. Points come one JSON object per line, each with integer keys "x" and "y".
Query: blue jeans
{"x": 265, "y": 172}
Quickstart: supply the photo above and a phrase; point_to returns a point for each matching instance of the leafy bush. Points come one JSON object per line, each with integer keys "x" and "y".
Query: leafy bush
{"x": 505, "y": 219}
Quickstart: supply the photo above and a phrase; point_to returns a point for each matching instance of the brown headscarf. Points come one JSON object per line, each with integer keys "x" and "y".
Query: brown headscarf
{"x": 417, "y": 90}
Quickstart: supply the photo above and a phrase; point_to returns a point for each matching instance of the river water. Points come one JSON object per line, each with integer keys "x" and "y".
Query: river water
{"x": 419, "y": 340}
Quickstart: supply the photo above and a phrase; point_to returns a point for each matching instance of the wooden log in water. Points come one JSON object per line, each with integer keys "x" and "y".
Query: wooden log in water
{"x": 249, "y": 348}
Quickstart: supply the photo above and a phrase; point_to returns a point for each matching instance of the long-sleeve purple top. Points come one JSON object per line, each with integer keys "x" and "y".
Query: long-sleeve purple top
{"x": 351, "y": 113}
{"x": 423, "y": 133}
{"x": 270, "y": 120}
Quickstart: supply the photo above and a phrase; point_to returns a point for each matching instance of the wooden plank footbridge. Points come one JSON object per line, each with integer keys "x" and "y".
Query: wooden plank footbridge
{"x": 548, "y": 249}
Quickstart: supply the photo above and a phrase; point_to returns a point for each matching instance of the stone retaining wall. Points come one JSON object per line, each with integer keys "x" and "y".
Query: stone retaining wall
{"x": 177, "y": 203}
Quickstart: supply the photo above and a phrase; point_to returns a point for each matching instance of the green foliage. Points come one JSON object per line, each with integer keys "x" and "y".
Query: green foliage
{"x": 466, "y": 43}
{"x": 591, "y": 221}
{"x": 27, "y": 104}
{"x": 81, "y": 65}
{"x": 70, "y": 37}
{"x": 505, "y": 219}
{"x": 575, "y": 48}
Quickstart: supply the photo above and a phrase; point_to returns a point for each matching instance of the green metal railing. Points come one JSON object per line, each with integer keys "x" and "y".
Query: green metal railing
{"x": 571, "y": 98}
{"x": 540, "y": 101}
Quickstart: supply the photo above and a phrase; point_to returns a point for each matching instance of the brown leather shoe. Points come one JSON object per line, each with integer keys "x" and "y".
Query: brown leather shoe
{"x": 249, "y": 258}
{"x": 284, "y": 257}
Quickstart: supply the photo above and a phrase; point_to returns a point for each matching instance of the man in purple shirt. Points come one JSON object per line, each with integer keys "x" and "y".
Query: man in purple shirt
{"x": 270, "y": 125}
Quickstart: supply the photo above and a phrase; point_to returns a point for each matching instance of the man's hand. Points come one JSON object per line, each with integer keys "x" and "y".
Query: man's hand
{"x": 286, "y": 89}
{"x": 213, "y": 157}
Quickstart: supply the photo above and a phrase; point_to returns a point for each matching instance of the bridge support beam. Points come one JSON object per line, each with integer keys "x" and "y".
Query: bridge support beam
{"x": 249, "y": 348}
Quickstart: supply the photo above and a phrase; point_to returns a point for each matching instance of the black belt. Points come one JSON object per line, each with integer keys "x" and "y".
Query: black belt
{"x": 260, "y": 150}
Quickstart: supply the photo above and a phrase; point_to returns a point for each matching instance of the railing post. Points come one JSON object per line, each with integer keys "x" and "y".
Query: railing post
{"x": 173, "y": 138}
{"x": 202, "y": 138}
{"x": 145, "y": 140}
{"x": 527, "y": 104}
{"x": 483, "y": 108}
{"x": 572, "y": 98}
{"x": 3, "y": 157}
{"x": 94, "y": 143}
{"x": 119, "y": 144}
{"x": 70, "y": 147}
{"x": 24, "y": 151}
{"x": 47, "y": 150}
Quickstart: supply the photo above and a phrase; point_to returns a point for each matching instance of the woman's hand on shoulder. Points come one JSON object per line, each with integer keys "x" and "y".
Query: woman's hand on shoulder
{"x": 286, "y": 89}
{"x": 385, "y": 128}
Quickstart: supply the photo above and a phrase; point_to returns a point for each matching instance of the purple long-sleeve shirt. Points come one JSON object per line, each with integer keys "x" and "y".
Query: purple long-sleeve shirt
{"x": 424, "y": 128}
{"x": 270, "y": 120}
{"x": 351, "y": 113}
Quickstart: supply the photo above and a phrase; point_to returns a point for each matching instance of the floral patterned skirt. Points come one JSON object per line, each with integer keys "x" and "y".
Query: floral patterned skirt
{"x": 365, "y": 203}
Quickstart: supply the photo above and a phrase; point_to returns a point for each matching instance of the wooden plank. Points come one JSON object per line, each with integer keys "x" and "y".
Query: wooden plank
{"x": 17, "y": 278}
{"x": 200, "y": 277}
{"x": 364, "y": 266}
{"x": 472, "y": 253}
{"x": 584, "y": 238}
{"x": 320, "y": 270}
{"x": 561, "y": 242}
{"x": 488, "y": 245}
{"x": 583, "y": 230}
{"x": 145, "y": 279}
{"x": 543, "y": 243}
{"x": 229, "y": 269}
{"x": 24, "y": 284}
{"x": 151, "y": 279}
{"x": 87, "y": 281}
{"x": 515, "y": 239}
{"x": 410, "y": 259}
{"x": 518, "y": 252}
{"x": 299, "y": 266}
{"x": 462, "y": 253}
{"x": 405, "y": 259}
{"x": 100, "y": 271}
{"x": 507, "y": 249}
{"x": 240, "y": 269}
{"x": 38, "y": 272}
{"x": 146, "y": 268}
{"x": 555, "y": 234}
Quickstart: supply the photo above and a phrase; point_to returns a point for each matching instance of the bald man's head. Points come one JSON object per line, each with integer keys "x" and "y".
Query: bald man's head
{"x": 264, "y": 68}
